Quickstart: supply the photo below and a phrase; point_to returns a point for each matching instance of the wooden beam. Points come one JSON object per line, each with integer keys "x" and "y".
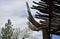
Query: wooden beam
{"x": 31, "y": 19}
{"x": 45, "y": 34}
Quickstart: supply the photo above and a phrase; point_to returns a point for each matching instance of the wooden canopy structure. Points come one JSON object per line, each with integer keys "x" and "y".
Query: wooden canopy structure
{"x": 49, "y": 10}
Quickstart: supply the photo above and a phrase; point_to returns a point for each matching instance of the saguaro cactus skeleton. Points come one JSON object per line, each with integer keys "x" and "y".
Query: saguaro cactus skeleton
{"x": 51, "y": 15}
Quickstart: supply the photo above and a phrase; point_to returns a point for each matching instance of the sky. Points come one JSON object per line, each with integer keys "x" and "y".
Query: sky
{"x": 16, "y": 11}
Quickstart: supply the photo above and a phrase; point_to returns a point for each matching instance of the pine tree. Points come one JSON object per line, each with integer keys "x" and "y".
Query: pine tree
{"x": 7, "y": 32}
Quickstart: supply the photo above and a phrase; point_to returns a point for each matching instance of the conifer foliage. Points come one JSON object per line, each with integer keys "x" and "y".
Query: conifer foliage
{"x": 7, "y": 32}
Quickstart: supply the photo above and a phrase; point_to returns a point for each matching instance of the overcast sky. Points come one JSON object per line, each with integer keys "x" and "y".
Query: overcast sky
{"x": 14, "y": 10}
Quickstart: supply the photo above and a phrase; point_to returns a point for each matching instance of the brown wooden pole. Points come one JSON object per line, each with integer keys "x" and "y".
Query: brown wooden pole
{"x": 50, "y": 3}
{"x": 45, "y": 33}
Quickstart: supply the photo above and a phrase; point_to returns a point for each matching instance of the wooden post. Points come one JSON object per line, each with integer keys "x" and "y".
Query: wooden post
{"x": 45, "y": 33}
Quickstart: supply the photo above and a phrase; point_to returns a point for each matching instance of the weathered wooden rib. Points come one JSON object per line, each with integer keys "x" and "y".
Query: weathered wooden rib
{"x": 41, "y": 3}
{"x": 42, "y": 15}
{"x": 53, "y": 20}
{"x": 44, "y": 18}
{"x": 31, "y": 19}
{"x": 53, "y": 16}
